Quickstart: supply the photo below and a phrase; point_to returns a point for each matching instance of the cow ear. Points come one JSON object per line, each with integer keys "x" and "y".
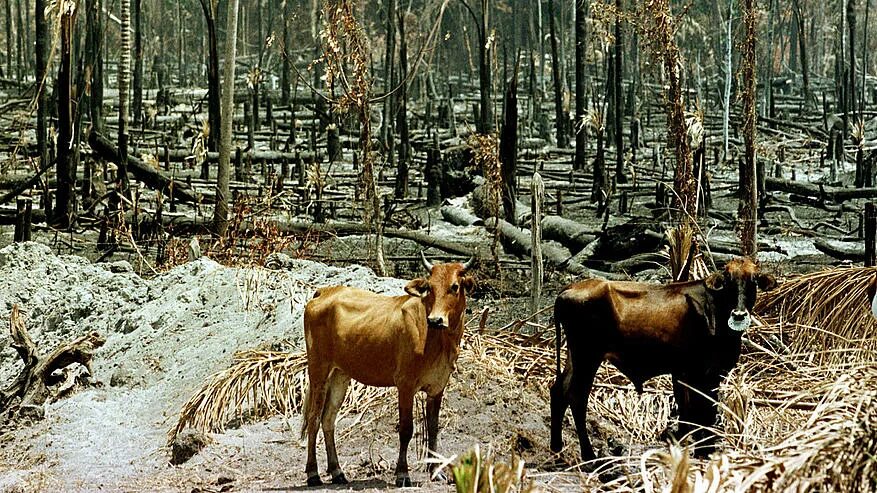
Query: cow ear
{"x": 766, "y": 282}
{"x": 418, "y": 288}
{"x": 716, "y": 281}
{"x": 468, "y": 283}
{"x": 703, "y": 308}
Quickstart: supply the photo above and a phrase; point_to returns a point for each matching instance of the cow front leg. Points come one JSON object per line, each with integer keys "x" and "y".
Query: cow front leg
{"x": 406, "y": 431}
{"x": 680, "y": 420}
{"x": 704, "y": 411}
{"x": 433, "y": 406}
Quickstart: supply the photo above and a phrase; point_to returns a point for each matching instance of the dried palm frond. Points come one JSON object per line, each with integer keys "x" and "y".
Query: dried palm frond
{"x": 686, "y": 262}
{"x": 257, "y": 385}
{"x": 829, "y": 312}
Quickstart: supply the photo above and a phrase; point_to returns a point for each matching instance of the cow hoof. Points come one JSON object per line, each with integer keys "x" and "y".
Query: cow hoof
{"x": 403, "y": 482}
{"x": 315, "y": 481}
{"x": 339, "y": 479}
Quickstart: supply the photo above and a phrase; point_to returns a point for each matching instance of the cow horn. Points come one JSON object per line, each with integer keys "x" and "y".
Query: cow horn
{"x": 426, "y": 263}
{"x": 468, "y": 263}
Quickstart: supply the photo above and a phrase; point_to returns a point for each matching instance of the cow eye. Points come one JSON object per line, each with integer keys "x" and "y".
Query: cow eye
{"x": 455, "y": 287}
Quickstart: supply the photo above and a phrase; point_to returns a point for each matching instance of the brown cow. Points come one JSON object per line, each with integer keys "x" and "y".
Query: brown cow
{"x": 690, "y": 330}
{"x": 410, "y": 342}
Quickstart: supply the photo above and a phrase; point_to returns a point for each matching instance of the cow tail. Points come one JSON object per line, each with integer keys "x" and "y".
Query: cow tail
{"x": 304, "y": 414}
{"x": 558, "y": 334}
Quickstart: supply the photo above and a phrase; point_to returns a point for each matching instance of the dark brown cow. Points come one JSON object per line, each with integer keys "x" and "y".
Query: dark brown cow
{"x": 410, "y": 342}
{"x": 690, "y": 330}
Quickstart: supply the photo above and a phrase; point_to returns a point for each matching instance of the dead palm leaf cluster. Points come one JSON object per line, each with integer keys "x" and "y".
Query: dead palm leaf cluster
{"x": 260, "y": 384}
{"x": 825, "y": 315}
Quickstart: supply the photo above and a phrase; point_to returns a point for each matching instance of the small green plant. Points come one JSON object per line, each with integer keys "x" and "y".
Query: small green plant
{"x": 478, "y": 472}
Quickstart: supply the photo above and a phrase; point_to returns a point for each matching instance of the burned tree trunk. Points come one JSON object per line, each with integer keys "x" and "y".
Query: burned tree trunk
{"x": 748, "y": 191}
{"x": 94, "y": 65}
{"x": 213, "y": 91}
{"x": 65, "y": 166}
{"x": 42, "y": 40}
{"x": 485, "y": 74}
{"x": 137, "y": 103}
{"x": 401, "y": 185}
{"x": 618, "y": 114}
{"x": 581, "y": 39}
{"x": 508, "y": 149}
{"x": 556, "y": 62}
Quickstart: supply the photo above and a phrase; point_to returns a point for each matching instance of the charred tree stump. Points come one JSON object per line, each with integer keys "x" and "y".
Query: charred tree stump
{"x": 22, "y": 220}
{"x": 32, "y": 388}
{"x": 434, "y": 177}
{"x": 508, "y": 150}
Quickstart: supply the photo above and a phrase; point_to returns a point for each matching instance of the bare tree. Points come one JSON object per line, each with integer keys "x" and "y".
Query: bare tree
{"x": 66, "y": 170}
{"x": 581, "y": 13}
{"x": 220, "y": 210}
{"x": 748, "y": 191}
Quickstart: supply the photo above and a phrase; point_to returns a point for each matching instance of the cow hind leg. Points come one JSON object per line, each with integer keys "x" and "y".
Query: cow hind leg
{"x": 317, "y": 376}
{"x": 576, "y": 393}
{"x": 336, "y": 389}
{"x": 406, "y": 431}
{"x": 559, "y": 405}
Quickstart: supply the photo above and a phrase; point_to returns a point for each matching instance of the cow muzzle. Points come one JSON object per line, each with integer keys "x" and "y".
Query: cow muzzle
{"x": 437, "y": 322}
{"x": 739, "y": 320}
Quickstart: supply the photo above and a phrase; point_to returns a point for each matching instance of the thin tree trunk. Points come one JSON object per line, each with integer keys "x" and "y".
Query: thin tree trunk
{"x": 748, "y": 190}
{"x": 485, "y": 79}
{"x": 581, "y": 39}
{"x": 213, "y": 90}
{"x": 137, "y": 106}
{"x": 508, "y": 149}
{"x": 181, "y": 71}
{"x": 8, "y": 5}
{"x": 618, "y": 94}
{"x": 42, "y": 40}
{"x": 65, "y": 169}
{"x": 389, "y": 82}
{"x": 287, "y": 53}
{"x": 220, "y": 210}
{"x": 95, "y": 62}
{"x": 401, "y": 188}
{"x": 19, "y": 38}
{"x": 124, "y": 74}
{"x": 556, "y": 68}
{"x": 851, "y": 21}
{"x": 728, "y": 74}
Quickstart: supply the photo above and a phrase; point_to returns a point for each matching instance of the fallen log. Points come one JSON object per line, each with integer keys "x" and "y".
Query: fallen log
{"x": 842, "y": 250}
{"x": 834, "y": 194}
{"x": 141, "y": 171}
{"x": 182, "y": 155}
{"x": 517, "y": 240}
{"x": 460, "y": 216}
{"x": 201, "y": 225}
{"x": 567, "y": 232}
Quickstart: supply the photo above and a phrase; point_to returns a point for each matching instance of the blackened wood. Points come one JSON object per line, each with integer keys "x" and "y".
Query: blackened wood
{"x": 870, "y": 234}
